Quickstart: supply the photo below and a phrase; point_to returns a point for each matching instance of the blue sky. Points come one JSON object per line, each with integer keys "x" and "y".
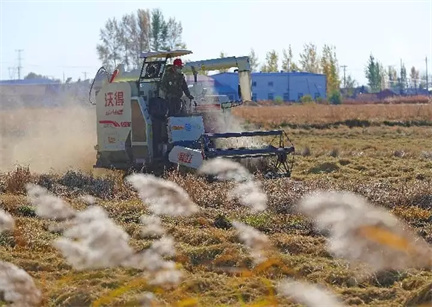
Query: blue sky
{"x": 61, "y": 36}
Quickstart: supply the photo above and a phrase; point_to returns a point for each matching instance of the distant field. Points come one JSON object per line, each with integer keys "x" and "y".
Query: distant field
{"x": 275, "y": 116}
{"x": 389, "y": 161}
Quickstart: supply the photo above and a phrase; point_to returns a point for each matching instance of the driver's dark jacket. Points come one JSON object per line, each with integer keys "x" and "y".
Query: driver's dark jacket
{"x": 174, "y": 84}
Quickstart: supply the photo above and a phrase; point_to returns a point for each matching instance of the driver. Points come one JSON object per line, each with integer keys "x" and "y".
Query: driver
{"x": 174, "y": 84}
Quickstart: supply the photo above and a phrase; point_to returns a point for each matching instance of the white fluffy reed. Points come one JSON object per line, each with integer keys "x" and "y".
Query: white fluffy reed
{"x": 256, "y": 241}
{"x": 248, "y": 191}
{"x": 48, "y": 205}
{"x": 156, "y": 269}
{"x": 94, "y": 241}
{"x": 225, "y": 169}
{"x": 360, "y": 231}
{"x": 17, "y": 287}
{"x": 307, "y": 294}
{"x": 251, "y": 195}
{"x": 152, "y": 226}
{"x": 162, "y": 196}
{"x": 7, "y": 222}
{"x": 91, "y": 240}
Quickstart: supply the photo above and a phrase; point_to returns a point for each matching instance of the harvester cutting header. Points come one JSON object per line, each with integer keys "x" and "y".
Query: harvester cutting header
{"x": 149, "y": 119}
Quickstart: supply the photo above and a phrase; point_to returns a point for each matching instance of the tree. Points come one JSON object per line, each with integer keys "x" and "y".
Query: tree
{"x": 383, "y": 76}
{"x": 287, "y": 60}
{"x": 223, "y": 55}
{"x": 414, "y": 76}
{"x": 403, "y": 78}
{"x": 144, "y": 28}
{"x": 253, "y": 60}
{"x": 159, "y": 30}
{"x": 392, "y": 77}
{"x": 375, "y": 74}
{"x": 422, "y": 83}
{"x": 350, "y": 86}
{"x": 110, "y": 51}
{"x": 122, "y": 41}
{"x": 271, "y": 64}
{"x": 174, "y": 32}
{"x": 330, "y": 68}
{"x": 32, "y": 75}
{"x": 309, "y": 59}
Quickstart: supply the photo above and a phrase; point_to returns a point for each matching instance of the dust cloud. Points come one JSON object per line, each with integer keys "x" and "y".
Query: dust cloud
{"x": 48, "y": 139}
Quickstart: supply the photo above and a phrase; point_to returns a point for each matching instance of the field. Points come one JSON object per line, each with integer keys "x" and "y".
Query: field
{"x": 381, "y": 152}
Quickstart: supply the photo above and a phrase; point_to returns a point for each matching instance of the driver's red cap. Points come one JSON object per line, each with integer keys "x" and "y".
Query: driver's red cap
{"x": 178, "y": 62}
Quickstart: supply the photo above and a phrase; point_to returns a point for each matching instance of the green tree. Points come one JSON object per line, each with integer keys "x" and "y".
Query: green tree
{"x": 335, "y": 97}
{"x": 374, "y": 74}
{"x": 159, "y": 30}
{"x": 330, "y": 68}
{"x": 287, "y": 60}
{"x": 253, "y": 60}
{"x": 309, "y": 59}
{"x": 32, "y": 75}
{"x": 271, "y": 64}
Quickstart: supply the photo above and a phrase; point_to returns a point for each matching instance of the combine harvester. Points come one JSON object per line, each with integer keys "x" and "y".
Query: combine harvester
{"x": 133, "y": 132}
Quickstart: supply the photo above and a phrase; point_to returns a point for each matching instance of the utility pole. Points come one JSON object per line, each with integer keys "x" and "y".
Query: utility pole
{"x": 85, "y": 75}
{"x": 11, "y": 72}
{"x": 344, "y": 66}
{"x": 19, "y": 63}
{"x": 427, "y": 78}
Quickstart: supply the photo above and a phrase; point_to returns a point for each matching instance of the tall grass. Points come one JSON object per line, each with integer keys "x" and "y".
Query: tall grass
{"x": 356, "y": 231}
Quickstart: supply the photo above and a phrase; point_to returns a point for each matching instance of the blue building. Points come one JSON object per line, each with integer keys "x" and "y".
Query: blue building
{"x": 287, "y": 86}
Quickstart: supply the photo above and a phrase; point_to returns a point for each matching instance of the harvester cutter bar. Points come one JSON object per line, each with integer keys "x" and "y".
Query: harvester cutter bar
{"x": 243, "y": 134}
{"x": 243, "y": 152}
{"x": 280, "y": 168}
{"x": 249, "y": 153}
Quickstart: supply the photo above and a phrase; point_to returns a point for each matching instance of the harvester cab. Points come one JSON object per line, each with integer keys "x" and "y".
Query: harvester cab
{"x": 134, "y": 131}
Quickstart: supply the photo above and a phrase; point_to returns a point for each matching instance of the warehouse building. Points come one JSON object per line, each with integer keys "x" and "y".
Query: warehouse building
{"x": 286, "y": 86}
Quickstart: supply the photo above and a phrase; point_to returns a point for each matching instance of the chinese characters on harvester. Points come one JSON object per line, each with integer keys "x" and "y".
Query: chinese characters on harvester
{"x": 115, "y": 99}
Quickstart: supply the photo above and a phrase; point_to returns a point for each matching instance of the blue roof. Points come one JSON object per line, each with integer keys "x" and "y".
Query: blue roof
{"x": 282, "y": 73}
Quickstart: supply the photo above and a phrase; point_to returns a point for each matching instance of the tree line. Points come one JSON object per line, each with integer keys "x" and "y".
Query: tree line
{"x": 311, "y": 60}
{"x": 380, "y": 77}
{"x": 122, "y": 41}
